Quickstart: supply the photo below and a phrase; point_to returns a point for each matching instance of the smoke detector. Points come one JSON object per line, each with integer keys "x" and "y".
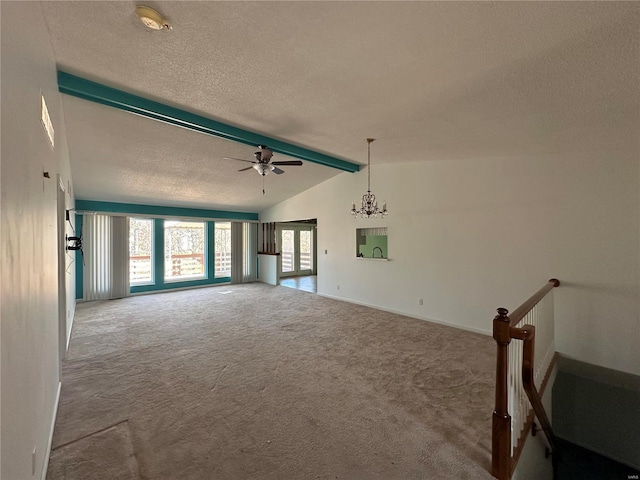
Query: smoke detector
{"x": 151, "y": 19}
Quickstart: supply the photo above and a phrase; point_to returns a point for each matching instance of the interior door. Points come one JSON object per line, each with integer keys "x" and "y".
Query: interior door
{"x": 62, "y": 291}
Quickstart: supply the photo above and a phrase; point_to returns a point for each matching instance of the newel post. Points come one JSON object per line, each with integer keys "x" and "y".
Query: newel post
{"x": 501, "y": 428}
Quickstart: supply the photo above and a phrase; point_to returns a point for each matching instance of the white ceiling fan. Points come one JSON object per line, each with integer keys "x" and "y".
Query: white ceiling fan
{"x": 263, "y": 164}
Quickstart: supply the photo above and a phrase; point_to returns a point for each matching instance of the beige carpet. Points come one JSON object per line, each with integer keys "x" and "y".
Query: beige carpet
{"x": 109, "y": 452}
{"x": 261, "y": 382}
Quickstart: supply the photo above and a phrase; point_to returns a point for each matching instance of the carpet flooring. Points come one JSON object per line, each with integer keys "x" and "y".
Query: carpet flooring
{"x": 261, "y": 382}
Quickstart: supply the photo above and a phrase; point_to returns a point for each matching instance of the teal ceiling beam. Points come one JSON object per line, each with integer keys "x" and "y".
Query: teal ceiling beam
{"x": 96, "y": 92}
{"x": 159, "y": 210}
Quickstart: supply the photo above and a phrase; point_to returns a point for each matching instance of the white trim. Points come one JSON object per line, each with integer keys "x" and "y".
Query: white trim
{"x": 73, "y": 317}
{"x": 410, "y": 315}
{"x": 45, "y": 466}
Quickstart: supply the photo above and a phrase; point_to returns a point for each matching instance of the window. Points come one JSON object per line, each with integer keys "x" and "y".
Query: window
{"x": 306, "y": 250}
{"x": 223, "y": 249}
{"x": 288, "y": 251}
{"x": 140, "y": 251}
{"x": 371, "y": 242}
{"x": 184, "y": 250}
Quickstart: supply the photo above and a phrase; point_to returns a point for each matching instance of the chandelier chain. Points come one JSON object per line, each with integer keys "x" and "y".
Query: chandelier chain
{"x": 369, "y": 208}
{"x": 369, "y": 140}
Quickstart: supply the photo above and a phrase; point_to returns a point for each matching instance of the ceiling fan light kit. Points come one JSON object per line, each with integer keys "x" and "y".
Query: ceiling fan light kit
{"x": 151, "y": 19}
{"x": 264, "y": 169}
{"x": 369, "y": 208}
{"x": 263, "y": 164}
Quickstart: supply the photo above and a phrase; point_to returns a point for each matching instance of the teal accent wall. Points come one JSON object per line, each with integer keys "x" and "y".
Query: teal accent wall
{"x": 96, "y": 92}
{"x": 158, "y": 258}
{"x": 151, "y": 210}
{"x": 210, "y": 251}
{"x": 79, "y": 261}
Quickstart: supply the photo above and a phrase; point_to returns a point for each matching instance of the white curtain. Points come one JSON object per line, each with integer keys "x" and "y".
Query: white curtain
{"x": 244, "y": 252}
{"x": 106, "y": 250}
{"x": 119, "y": 257}
{"x": 236, "y": 252}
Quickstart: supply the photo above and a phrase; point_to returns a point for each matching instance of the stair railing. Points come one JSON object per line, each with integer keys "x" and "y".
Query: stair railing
{"x": 517, "y": 398}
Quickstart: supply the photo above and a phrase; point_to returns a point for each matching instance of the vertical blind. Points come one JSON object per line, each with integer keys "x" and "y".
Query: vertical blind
{"x": 106, "y": 250}
{"x": 250, "y": 252}
{"x": 244, "y": 252}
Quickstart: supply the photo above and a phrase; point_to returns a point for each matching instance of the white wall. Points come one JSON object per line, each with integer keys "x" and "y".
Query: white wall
{"x": 28, "y": 258}
{"x": 268, "y": 267}
{"x": 583, "y": 396}
{"x": 469, "y": 236}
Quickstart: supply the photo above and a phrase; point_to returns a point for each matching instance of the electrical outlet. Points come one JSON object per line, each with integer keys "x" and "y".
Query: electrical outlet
{"x": 338, "y": 288}
{"x": 420, "y": 301}
{"x": 33, "y": 461}
{"x": 325, "y": 251}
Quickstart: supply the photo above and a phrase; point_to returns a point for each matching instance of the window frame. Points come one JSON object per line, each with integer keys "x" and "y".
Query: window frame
{"x": 151, "y": 281}
{"x": 205, "y": 259}
{"x": 158, "y": 260}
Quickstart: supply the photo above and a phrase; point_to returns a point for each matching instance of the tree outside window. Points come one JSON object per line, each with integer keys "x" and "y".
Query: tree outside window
{"x": 184, "y": 249}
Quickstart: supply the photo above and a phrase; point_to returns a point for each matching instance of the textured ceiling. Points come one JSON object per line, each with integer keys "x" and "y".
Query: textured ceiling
{"x": 430, "y": 80}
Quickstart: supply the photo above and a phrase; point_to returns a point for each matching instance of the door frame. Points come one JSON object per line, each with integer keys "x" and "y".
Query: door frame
{"x": 297, "y": 227}
{"x": 62, "y": 267}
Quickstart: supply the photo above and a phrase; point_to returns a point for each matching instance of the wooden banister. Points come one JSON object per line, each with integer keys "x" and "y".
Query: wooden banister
{"x": 501, "y": 428}
{"x": 518, "y": 314}
{"x": 529, "y": 385}
{"x": 504, "y": 330}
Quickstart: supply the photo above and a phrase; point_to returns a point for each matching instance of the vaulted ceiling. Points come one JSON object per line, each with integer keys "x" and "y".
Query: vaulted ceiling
{"x": 429, "y": 80}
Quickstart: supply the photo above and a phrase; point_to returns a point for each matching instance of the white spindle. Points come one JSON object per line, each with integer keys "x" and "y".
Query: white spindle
{"x": 541, "y": 316}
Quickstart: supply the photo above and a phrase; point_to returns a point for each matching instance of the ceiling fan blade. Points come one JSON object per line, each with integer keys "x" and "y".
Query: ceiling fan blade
{"x": 288, "y": 162}
{"x": 277, "y": 171}
{"x": 238, "y": 159}
{"x": 245, "y": 169}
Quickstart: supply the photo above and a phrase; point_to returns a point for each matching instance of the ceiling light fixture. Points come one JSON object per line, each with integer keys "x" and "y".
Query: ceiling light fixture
{"x": 151, "y": 19}
{"x": 369, "y": 208}
{"x": 263, "y": 168}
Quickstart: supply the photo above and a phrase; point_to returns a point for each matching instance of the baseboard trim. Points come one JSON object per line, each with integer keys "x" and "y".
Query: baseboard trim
{"x": 45, "y": 466}
{"x": 410, "y": 315}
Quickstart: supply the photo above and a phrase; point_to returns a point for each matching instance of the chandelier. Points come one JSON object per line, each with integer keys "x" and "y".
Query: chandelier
{"x": 369, "y": 208}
